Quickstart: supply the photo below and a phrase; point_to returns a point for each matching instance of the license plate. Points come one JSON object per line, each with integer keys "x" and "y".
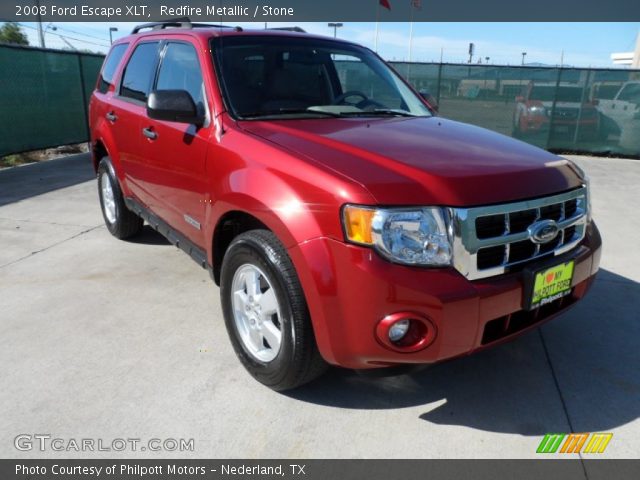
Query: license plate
{"x": 551, "y": 284}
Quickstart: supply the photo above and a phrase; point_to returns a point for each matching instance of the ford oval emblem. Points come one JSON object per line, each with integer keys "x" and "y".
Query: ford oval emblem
{"x": 543, "y": 231}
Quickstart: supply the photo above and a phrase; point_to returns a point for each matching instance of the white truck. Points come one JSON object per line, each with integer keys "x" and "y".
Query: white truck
{"x": 620, "y": 116}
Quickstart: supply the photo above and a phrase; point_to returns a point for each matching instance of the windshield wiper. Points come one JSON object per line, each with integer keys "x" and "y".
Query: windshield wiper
{"x": 391, "y": 111}
{"x": 380, "y": 112}
{"x": 289, "y": 111}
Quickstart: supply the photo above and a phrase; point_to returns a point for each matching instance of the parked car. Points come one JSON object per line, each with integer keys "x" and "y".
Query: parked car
{"x": 560, "y": 107}
{"x": 344, "y": 222}
{"x": 621, "y": 116}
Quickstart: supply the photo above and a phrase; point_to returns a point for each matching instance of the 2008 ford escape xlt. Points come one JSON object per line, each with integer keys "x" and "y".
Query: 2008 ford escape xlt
{"x": 345, "y": 223}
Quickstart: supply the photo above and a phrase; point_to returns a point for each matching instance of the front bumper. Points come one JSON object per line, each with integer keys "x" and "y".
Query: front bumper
{"x": 349, "y": 289}
{"x": 542, "y": 124}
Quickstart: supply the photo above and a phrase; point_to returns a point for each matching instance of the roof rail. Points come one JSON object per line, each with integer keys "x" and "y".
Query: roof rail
{"x": 182, "y": 22}
{"x": 289, "y": 29}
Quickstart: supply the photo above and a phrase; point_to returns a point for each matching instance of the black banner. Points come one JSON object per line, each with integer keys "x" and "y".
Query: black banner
{"x": 547, "y": 469}
{"x": 321, "y": 10}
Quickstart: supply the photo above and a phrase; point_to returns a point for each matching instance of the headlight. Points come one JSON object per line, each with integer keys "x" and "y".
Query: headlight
{"x": 538, "y": 110}
{"x": 587, "y": 183}
{"x": 412, "y": 236}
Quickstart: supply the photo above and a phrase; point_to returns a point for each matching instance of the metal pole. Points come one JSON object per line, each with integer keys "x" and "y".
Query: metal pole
{"x": 85, "y": 107}
{"x": 111, "y": 30}
{"x": 553, "y": 108}
{"x": 40, "y": 31}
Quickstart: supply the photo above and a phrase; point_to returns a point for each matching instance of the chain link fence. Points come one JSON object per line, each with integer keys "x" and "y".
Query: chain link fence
{"x": 44, "y": 96}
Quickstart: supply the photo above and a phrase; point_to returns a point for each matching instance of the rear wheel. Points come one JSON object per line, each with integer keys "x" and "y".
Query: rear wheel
{"x": 120, "y": 221}
{"x": 266, "y": 313}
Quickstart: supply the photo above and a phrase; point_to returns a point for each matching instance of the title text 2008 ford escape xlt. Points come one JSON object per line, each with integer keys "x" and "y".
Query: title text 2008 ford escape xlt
{"x": 345, "y": 223}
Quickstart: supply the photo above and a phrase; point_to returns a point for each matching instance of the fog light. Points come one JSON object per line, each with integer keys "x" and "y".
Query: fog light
{"x": 398, "y": 330}
{"x": 405, "y": 332}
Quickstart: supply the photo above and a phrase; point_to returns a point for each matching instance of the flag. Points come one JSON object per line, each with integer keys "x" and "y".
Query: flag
{"x": 385, "y": 4}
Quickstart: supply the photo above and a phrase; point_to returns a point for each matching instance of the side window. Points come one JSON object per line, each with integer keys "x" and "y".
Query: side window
{"x": 110, "y": 65}
{"x": 139, "y": 72}
{"x": 630, "y": 93}
{"x": 180, "y": 70}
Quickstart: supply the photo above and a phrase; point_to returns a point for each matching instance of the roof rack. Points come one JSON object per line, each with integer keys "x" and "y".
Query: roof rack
{"x": 289, "y": 29}
{"x": 183, "y": 22}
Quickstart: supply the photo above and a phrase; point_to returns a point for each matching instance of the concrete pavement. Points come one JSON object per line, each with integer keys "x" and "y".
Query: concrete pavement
{"x": 106, "y": 339}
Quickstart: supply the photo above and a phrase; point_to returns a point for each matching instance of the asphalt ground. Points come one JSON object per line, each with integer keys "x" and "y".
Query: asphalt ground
{"x": 108, "y": 339}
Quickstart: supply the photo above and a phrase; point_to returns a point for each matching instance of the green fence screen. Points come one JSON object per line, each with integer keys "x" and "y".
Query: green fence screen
{"x": 564, "y": 109}
{"x": 44, "y": 96}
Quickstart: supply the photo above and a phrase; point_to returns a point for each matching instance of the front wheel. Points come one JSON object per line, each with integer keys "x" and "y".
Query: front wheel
{"x": 120, "y": 221}
{"x": 266, "y": 314}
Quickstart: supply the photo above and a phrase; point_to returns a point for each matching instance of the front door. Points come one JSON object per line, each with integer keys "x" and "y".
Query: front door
{"x": 177, "y": 151}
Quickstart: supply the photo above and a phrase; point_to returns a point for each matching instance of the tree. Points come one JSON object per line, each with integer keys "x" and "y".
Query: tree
{"x": 10, "y": 32}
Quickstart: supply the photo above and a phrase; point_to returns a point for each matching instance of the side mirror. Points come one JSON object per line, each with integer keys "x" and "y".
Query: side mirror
{"x": 431, "y": 100}
{"x": 173, "y": 106}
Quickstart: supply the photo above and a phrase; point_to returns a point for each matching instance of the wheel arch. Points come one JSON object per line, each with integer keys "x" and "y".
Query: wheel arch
{"x": 229, "y": 226}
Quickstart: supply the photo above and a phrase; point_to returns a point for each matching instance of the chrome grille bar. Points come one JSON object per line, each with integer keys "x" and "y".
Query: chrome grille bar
{"x": 467, "y": 244}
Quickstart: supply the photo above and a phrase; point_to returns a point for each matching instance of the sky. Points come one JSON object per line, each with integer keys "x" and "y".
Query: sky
{"x": 579, "y": 44}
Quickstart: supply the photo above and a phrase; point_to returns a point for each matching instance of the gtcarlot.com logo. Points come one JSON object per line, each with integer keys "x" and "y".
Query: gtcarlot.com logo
{"x": 574, "y": 443}
{"x": 46, "y": 442}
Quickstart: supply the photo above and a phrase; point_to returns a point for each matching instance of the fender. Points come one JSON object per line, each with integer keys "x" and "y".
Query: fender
{"x": 296, "y": 199}
{"x": 104, "y": 135}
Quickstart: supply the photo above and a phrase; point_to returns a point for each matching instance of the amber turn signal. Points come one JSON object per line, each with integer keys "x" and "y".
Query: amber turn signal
{"x": 357, "y": 223}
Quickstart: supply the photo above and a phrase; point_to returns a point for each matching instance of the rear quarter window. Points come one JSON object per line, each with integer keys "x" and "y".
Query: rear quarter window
{"x": 110, "y": 66}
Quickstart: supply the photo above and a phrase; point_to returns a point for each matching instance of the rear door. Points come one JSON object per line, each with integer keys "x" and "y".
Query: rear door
{"x": 177, "y": 151}
{"x": 128, "y": 111}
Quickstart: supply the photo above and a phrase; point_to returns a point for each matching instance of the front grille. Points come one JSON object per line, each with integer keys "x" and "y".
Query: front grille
{"x": 565, "y": 113}
{"x": 495, "y": 239}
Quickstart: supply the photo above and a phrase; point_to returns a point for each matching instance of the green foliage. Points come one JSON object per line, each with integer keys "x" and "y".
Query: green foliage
{"x": 11, "y": 32}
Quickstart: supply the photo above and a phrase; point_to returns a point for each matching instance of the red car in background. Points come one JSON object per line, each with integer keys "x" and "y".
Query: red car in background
{"x": 563, "y": 108}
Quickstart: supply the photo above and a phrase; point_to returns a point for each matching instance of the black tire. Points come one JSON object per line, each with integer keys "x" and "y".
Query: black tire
{"x": 298, "y": 360}
{"x": 126, "y": 223}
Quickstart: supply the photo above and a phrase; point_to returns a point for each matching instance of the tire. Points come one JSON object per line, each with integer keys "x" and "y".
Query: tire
{"x": 256, "y": 260}
{"x": 120, "y": 221}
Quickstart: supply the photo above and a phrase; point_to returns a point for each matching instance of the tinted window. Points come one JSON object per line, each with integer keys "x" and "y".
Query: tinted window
{"x": 138, "y": 74}
{"x": 110, "y": 65}
{"x": 561, "y": 94}
{"x": 630, "y": 93}
{"x": 180, "y": 70}
{"x": 289, "y": 76}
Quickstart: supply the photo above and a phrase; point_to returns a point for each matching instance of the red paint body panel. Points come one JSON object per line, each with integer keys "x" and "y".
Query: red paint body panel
{"x": 295, "y": 176}
{"x": 350, "y": 288}
{"x": 424, "y": 161}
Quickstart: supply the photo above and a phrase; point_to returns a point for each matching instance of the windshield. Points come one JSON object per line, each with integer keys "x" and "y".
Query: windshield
{"x": 562, "y": 94}
{"x": 266, "y": 76}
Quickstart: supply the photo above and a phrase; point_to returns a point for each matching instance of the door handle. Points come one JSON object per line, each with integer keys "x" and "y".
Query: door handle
{"x": 111, "y": 116}
{"x": 149, "y": 133}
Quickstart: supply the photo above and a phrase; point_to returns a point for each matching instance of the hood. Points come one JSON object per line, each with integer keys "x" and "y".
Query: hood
{"x": 423, "y": 161}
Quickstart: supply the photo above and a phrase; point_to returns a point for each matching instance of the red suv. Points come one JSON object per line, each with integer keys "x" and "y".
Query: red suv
{"x": 345, "y": 223}
{"x": 561, "y": 107}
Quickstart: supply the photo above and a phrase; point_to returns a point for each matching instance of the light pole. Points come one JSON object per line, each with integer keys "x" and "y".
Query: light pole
{"x": 111, "y": 30}
{"x": 335, "y": 27}
{"x": 40, "y": 31}
{"x": 524, "y": 54}
{"x": 46, "y": 29}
